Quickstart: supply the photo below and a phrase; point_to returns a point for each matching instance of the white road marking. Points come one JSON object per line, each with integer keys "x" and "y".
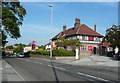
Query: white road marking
{"x": 62, "y": 68}
{"x": 16, "y": 72}
{"x": 28, "y": 60}
{"x": 1, "y": 68}
{"x": 92, "y": 76}
{"x": 57, "y": 67}
{"x": 50, "y": 65}
{"x": 38, "y": 62}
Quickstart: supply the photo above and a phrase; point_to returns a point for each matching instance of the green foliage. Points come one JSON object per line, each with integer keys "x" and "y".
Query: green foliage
{"x": 12, "y": 18}
{"x": 8, "y": 54}
{"x": 20, "y": 44}
{"x": 9, "y": 47}
{"x": 113, "y": 36}
{"x": 41, "y": 47}
{"x": 73, "y": 43}
{"x": 19, "y": 49}
{"x": 41, "y": 52}
{"x": 59, "y": 52}
{"x": 63, "y": 52}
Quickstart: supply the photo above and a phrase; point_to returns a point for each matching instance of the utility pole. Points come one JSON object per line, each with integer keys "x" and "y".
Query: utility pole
{"x": 51, "y": 16}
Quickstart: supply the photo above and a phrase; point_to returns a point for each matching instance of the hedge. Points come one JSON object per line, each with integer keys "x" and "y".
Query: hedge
{"x": 58, "y": 52}
{"x": 41, "y": 52}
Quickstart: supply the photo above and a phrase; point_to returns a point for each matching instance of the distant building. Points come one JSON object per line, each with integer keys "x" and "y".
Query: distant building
{"x": 9, "y": 50}
{"x": 89, "y": 38}
{"x": 48, "y": 47}
{"x": 30, "y": 47}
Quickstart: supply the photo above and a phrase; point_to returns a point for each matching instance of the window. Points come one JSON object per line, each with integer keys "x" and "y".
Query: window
{"x": 91, "y": 38}
{"x": 83, "y": 48}
{"x": 84, "y": 37}
{"x": 90, "y": 48}
{"x": 97, "y": 39}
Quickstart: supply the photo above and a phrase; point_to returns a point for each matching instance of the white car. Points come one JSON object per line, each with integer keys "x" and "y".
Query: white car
{"x": 20, "y": 55}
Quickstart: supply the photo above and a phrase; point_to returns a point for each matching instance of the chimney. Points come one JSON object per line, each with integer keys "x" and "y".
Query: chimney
{"x": 95, "y": 27}
{"x": 77, "y": 23}
{"x": 64, "y": 28}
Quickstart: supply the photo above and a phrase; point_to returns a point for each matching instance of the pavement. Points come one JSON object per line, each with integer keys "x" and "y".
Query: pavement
{"x": 95, "y": 60}
{"x": 7, "y": 73}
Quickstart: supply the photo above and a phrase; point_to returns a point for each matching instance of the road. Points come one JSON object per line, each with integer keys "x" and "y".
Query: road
{"x": 36, "y": 69}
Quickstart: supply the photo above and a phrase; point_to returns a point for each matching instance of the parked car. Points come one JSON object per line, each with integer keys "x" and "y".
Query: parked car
{"x": 20, "y": 55}
{"x": 117, "y": 55}
{"x": 11, "y": 56}
{"x": 27, "y": 54}
{"x": 111, "y": 54}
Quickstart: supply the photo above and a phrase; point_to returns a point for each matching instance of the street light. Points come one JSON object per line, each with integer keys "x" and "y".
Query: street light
{"x": 51, "y": 29}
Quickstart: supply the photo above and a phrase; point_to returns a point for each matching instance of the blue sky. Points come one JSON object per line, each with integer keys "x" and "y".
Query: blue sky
{"x": 36, "y": 24}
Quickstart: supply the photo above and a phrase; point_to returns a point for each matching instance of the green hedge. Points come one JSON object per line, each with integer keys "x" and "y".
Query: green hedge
{"x": 41, "y": 52}
{"x": 58, "y": 52}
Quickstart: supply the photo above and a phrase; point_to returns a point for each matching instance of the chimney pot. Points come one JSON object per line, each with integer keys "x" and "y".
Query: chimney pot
{"x": 95, "y": 27}
{"x": 77, "y": 22}
{"x": 64, "y": 28}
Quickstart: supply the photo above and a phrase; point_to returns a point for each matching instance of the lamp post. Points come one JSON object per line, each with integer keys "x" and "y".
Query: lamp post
{"x": 51, "y": 28}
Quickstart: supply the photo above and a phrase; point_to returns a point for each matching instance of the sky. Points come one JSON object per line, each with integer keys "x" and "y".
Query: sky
{"x": 36, "y": 24}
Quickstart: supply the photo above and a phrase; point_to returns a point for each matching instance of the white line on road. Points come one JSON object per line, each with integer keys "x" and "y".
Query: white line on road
{"x": 15, "y": 71}
{"x": 1, "y": 68}
{"x": 62, "y": 68}
{"x": 57, "y": 67}
{"x": 92, "y": 76}
{"x": 50, "y": 65}
{"x": 28, "y": 60}
{"x": 38, "y": 62}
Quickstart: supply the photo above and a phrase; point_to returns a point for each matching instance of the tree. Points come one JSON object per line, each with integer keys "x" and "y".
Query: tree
{"x": 113, "y": 36}
{"x": 19, "y": 48}
{"x": 12, "y": 18}
{"x": 73, "y": 43}
{"x": 9, "y": 47}
{"x": 62, "y": 43}
{"x": 41, "y": 47}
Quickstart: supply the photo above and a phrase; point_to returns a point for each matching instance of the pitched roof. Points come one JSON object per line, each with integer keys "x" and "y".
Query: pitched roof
{"x": 82, "y": 30}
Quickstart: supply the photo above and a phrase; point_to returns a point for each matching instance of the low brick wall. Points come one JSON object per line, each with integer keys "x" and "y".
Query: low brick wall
{"x": 64, "y": 58}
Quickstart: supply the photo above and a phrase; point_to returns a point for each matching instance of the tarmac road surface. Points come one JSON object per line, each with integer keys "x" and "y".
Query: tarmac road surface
{"x": 32, "y": 69}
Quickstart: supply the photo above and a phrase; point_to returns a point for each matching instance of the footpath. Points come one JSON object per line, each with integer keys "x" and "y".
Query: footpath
{"x": 95, "y": 60}
{"x": 7, "y": 73}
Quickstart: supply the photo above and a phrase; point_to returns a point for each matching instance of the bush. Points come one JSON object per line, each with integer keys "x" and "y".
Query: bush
{"x": 41, "y": 52}
{"x": 58, "y": 52}
{"x": 63, "y": 52}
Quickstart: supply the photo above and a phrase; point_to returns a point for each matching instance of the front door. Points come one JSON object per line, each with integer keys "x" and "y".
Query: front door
{"x": 94, "y": 50}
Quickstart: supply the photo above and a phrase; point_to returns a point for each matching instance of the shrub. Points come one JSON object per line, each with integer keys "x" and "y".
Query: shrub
{"x": 58, "y": 52}
{"x": 63, "y": 52}
{"x": 41, "y": 52}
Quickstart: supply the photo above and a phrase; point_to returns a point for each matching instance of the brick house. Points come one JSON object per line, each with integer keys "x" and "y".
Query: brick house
{"x": 89, "y": 38}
